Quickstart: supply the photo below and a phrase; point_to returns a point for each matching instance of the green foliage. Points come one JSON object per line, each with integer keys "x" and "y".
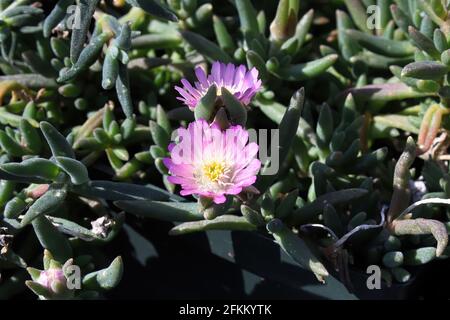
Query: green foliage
{"x": 88, "y": 111}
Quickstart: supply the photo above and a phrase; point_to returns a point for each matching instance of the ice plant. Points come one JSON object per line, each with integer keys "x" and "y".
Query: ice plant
{"x": 50, "y": 283}
{"x": 213, "y": 163}
{"x": 329, "y": 192}
{"x": 243, "y": 83}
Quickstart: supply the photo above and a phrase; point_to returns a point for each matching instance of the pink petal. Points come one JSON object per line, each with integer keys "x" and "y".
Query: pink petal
{"x": 248, "y": 172}
{"x": 201, "y": 76}
{"x": 219, "y": 199}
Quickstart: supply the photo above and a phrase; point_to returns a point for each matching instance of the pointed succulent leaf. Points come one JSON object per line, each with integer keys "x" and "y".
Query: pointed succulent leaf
{"x": 283, "y": 25}
{"x": 332, "y": 220}
{"x": 347, "y": 45}
{"x": 254, "y": 60}
{"x": 123, "y": 91}
{"x": 162, "y": 119}
{"x": 155, "y": 8}
{"x": 105, "y": 279}
{"x": 34, "y": 273}
{"x": 14, "y": 208}
{"x": 423, "y": 42}
{"x": 51, "y": 239}
{"x": 11, "y": 146}
{"x": 236, "y": 109}
{"x": 385, "y": 92}
{"x": 59, "y": 46}
{"x": 73, "y": 229}
{"x": 159, "y": 135}
{"x": 56, "y": 141}
{"x": 121, "y": 153}
{"x": 401, "y": 18}
{"x": 247, "y": 16}
{"x": 302, "y": 29}
{"x": 286, "y": 206}
{"x": 312, "y": 209}
{"x": 223, "y": 37}
{"x": 383, "y": 46}
{"x": 307, "y": 70}
{"x": 30, "y": 136}
{"x": 38, "y": 289}
{"x": 358, "y": 13}
{"x": 205, "y": 108}
{"x": 297, "y": 249}
{"x": 252, "y": 216}
{"x": 75, "y": 169}
{"x": 290, "y": 122}
{"x": 401, "y": 196}
{"x": 115, "y": 191}
{"x": 440, "y": 41}
{"x": 166, "y": 211}
{"x": 429, "y": 10}
{"x": 205, "y": 47}
{"x": 87, "y": 57}
{"x": 83, "y": 15}
{"x": 34, "y": 167}
{"x": 110, "y": 71}
{"x": 427, "y": 70}
{"x": 324, "y": 130}
{"x": 224, "y": 222}
{"x": 46, "y": 204}
{"x": 56, "y": 16}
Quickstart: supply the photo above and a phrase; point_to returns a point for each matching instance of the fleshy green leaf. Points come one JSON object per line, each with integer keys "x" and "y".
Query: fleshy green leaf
{"x": 75, "y": 169}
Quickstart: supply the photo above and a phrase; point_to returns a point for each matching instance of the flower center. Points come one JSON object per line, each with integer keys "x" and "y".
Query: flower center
{"x": 214, "y": 170}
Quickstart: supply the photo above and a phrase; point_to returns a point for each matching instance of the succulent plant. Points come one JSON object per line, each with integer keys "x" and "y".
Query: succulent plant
{"x": 354, "y": 108}
{"x": 63, "y": 282}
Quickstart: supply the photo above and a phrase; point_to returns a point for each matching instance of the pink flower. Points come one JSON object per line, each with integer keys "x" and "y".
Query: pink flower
{"x": 52, "y": 279}
{"x": 212, "y": 163}
{"x": 240, "y": 82}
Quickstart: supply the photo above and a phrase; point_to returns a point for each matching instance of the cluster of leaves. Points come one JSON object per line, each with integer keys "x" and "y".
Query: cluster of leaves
{"x": 43, "y": 184}
{"x": 353, "y": 187}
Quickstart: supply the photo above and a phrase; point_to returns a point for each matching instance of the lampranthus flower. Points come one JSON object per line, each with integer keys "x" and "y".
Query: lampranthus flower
{"x": 212, "y": 163}
{"x": 243, "y": 83}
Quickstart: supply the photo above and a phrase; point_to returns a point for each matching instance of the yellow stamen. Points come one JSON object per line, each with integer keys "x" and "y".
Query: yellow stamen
{"x": 214, "y": 170}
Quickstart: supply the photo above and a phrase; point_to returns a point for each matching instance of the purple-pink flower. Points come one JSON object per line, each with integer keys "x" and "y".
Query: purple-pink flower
{"x": 240, "y": 82}
{"x": 52, "y": 279}
{"x": 209, "y": 162}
